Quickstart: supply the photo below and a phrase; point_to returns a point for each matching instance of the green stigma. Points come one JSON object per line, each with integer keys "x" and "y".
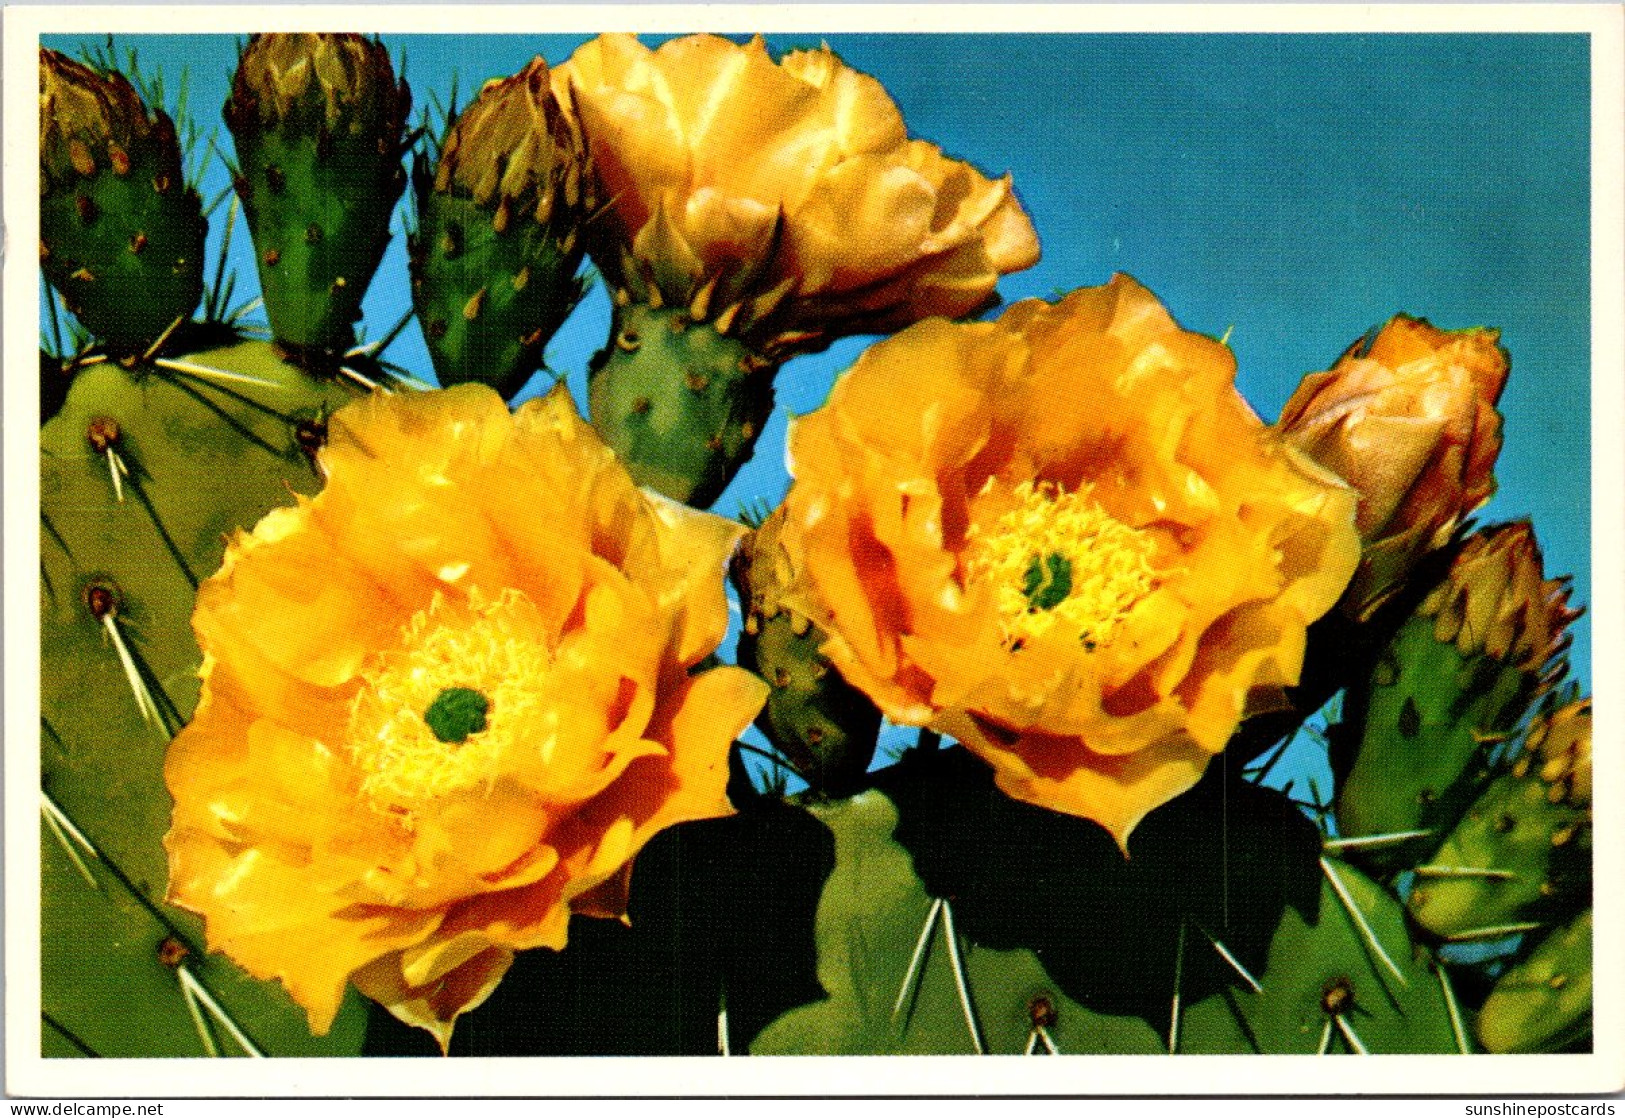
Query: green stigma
{"x": 456, "y": 713}
{"x": 1048, "y": 581}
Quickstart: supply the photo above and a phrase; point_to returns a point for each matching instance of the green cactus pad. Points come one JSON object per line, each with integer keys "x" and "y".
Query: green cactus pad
{"x": 1544, "y": 1003}
{"x": 679, "y": 401}
{"x": 319, "y": 173}
{"x": 121, "y": 232}
{"x": 202, "y": 455}
{"x": 869, "y": 922}
{"x": 488, "y": 300}
{"x": 1515, "y": 857}
{"x": 1327, "y": 967}
{"x": 1431, "y": 716}
{"x": 875, "y": 907}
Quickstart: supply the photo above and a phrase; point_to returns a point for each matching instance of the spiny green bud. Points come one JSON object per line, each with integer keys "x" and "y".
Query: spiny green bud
{"x": 823, "y": 725}
{"x": 1497, "y": 601}
{"x": 121, "y": 233}
{"x": 319, "y": 125}
{"x": 90, "y": 121}
{"x": 1453, "y": 685}
{"x": 495, "y": 255}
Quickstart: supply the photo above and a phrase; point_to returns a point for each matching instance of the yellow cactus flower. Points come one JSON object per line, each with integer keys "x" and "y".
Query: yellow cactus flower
{"x": 785, "y": 200}
{"x": 445, "y": 702}
{"x": 1408, "y": 418}
{"x": 1064, "y": 539}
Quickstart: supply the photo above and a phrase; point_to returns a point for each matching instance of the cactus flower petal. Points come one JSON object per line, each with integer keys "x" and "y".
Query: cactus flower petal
{"x": 722, "y": 165}
{"x": 445, "y": 703}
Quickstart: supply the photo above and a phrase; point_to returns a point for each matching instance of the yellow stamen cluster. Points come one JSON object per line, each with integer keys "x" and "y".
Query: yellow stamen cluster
{"x": 1059, "y": 558}
{"x": 493, "y": 646}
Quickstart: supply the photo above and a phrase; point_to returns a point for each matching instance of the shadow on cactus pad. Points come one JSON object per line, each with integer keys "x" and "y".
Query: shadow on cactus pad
{"x": 1228, "y": 856}
{"x": 720, "y": 909}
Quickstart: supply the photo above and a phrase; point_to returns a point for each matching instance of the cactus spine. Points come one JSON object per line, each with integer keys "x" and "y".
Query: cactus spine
{"x": 319, "y": 124}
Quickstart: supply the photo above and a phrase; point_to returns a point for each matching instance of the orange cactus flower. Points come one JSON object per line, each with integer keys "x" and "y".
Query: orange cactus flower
{"x": 783, "y": 199}
{"x": 1407, "y": 418}
{"x": 1064, "y": 539}
{"x": 445, "y": 702}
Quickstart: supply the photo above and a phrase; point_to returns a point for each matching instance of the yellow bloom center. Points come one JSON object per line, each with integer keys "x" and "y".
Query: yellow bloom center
{"x": 437, "y": 714}
{"x": 1060, "y": 559}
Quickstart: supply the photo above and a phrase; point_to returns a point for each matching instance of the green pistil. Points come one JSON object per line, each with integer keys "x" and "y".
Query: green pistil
{"x": 1048, "y": 581}
{"x": 456, "y": 713}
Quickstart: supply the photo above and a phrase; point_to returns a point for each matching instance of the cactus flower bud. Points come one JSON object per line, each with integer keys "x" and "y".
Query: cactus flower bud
{"x": 824, "y": 726}
{"x": 317, "y": 118}
{"x": 1457, "y": 679}
{"x": 495, "y": 255}
{"x": 121, "y": 234}
{"x": 342, "y": 82}
{"x": 1496, "y": 600}
{"x": 1408, "y": 418}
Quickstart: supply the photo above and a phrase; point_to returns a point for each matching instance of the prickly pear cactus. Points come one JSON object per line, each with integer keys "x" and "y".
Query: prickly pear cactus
{"x": 161, "y": 438}
{"x": 1434, "y": 897}
{"x": 319, "y": 123}
{"x": 1457, "y": 681}
{"x": 957, "y": 921}
{"x": 144, "y": 473}
{"x": 121, "y": 231}
{"x": 495, "y": 254}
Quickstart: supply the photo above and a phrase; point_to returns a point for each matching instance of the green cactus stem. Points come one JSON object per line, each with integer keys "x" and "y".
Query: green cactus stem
{"x": 1522, "y": 853}
{"x": 1453, "y": 686}
{"x": 143, "y": 474}
{"x": 1544, "y": 1003}
{"x": 824, "y": 727}
{"x": 319, "y": 125}
{"x": 495, "y": 254}
{"x": 679, "y": 398}
{"x": 121, "y": 231}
